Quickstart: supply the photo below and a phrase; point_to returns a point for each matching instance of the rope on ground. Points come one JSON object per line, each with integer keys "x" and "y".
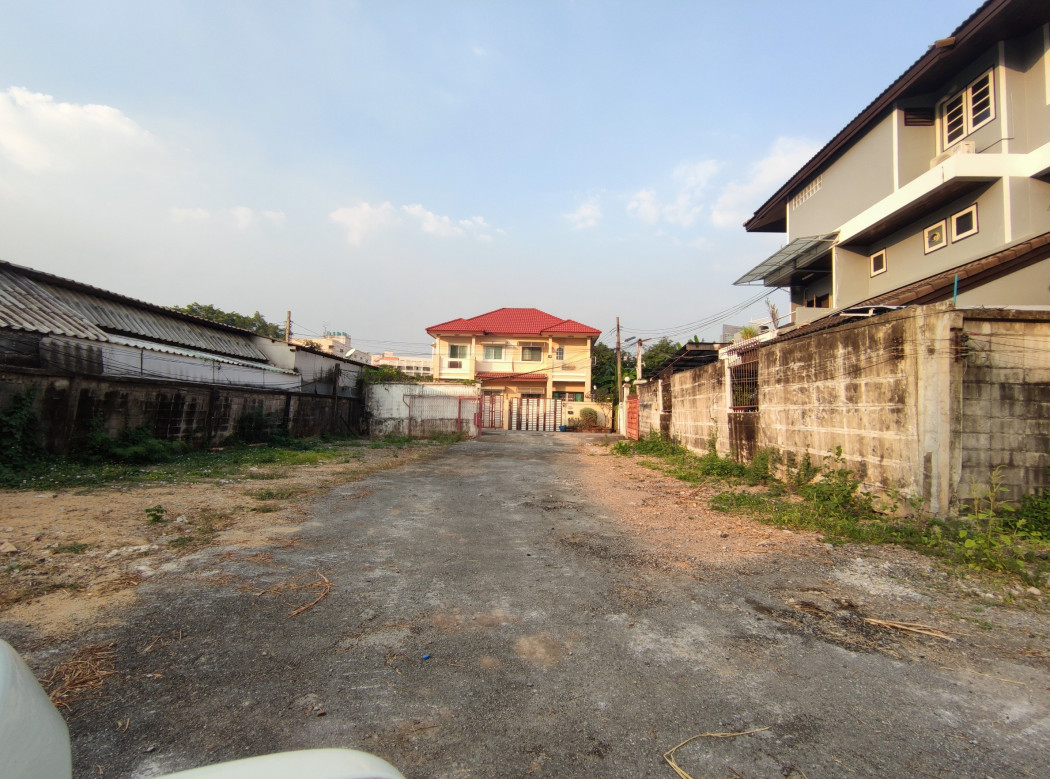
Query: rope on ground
{"x": 669, "y": 754}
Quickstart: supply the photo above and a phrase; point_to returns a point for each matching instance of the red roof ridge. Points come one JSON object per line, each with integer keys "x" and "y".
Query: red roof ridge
{"x": 513, "y": 321}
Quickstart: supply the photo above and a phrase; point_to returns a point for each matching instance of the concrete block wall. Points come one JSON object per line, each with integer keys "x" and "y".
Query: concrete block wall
{"x": 699, "y": 408}
{"x": 1005, "y": 404}
{"x": 853, "y": 387}
{"x": 648, "y": 408}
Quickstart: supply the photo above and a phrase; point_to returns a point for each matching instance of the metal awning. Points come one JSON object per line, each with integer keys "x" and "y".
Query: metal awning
{"x": 798, "y": 254}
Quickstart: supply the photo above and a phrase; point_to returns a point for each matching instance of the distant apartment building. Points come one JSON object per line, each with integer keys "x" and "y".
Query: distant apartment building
{"x": 336, "y": 343}
{"x": 413, "y": 366}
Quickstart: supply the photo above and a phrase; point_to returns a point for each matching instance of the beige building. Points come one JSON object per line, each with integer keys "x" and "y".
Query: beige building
{"x": 413, "y": 366}
{"x": 938, "y": 190}
{"x": 532, "y": 366}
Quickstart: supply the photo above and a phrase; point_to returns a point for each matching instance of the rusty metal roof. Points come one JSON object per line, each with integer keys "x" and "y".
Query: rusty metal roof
{"x": 25, "y": 306}
{"x": 154, "y": 325}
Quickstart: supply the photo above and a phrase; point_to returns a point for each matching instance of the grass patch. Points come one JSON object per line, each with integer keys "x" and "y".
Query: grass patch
{"x": 74, "y": 548}
{"x": 276, "y": 493}
{"x": 827, "y": 498}
{"x": 49, "y": 472}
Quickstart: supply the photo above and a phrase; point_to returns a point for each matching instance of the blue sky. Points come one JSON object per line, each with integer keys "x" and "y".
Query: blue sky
{"x": 379, "y": 167}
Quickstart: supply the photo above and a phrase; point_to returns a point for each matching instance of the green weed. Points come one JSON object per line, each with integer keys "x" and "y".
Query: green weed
{"x": 155, "y": 514}
{"x": 74, "y": 548}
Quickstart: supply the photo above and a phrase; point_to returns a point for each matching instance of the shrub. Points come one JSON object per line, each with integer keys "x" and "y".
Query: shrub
{"x": 589, "y": 417}
{"x": 19, "y": 433}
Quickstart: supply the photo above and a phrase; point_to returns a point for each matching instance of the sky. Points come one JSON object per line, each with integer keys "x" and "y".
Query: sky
{"x": 382, "y": 166}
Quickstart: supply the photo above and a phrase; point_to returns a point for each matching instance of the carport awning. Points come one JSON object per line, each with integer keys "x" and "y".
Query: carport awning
{"x": 513, "y": 377}
{"x": 774, "y": 271}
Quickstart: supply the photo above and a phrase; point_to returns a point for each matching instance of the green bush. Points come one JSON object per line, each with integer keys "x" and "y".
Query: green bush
{"x": 136, "y": 446}
{"x": 19, "y": 434}
{"x": 589, "y": 417}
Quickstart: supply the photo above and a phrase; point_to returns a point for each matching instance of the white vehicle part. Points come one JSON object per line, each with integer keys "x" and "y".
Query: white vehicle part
{"x": 34, "y": 742}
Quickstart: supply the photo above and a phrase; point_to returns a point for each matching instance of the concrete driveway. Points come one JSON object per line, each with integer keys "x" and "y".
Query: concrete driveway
{"x": 470, "y": 631}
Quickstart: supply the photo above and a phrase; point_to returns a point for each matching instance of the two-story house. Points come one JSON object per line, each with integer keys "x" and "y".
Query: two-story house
{"x": 517, "y": 352}
{"x": 938, "y": 190}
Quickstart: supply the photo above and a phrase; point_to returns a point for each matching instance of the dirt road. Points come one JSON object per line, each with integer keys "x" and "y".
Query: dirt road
{"x": 524, "y": 605}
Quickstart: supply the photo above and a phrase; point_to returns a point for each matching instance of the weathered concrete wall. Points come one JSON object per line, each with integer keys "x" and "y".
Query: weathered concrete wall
{"x": 648, "y": 408}
{"x": 852, "y": 387}
{"x": 68, "y": 408}
{"x": 421, "y": 409}
{"x": 924, "y": 400}
{"x": 1005, "y": 421}
{"x": 700, "y": 411}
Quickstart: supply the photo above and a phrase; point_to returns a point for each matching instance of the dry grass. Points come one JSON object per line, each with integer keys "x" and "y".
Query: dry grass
{"x": 81, "y": 676}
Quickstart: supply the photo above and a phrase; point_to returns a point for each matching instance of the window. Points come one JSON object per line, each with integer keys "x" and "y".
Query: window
{"x": 934, "y": 237}
{"x": 531, "y": 353}
{"x": 576, "y": 396}
{"x": 493, "y": 352}
{"x": 743, "y": 383}
{"x": 457, "y": 351}
{"x": 968, "y": 110}
{"x": 559, "y": 353}
{"x": 964, "y": 223}
{"x": 878, "y": 263}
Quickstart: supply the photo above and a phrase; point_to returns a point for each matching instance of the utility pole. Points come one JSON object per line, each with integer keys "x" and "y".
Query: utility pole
{"x": 619, "y": 364}
{"x": 638, "y": 360}
{"x": 288, "y": 328}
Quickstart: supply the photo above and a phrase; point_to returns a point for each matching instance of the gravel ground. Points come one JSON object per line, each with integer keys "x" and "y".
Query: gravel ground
{"x": 528, "y": 604}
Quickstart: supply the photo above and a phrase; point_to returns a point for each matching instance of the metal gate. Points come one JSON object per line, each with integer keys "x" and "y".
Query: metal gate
{"x": 429, "y": 414}
{"x": 491, "y": 412}
{"x": 541, "y": 414}
{"x": 632, "y": 417}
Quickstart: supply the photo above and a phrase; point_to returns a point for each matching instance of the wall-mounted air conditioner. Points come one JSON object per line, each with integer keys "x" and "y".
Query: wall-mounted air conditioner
{"x": 963, "y": 147}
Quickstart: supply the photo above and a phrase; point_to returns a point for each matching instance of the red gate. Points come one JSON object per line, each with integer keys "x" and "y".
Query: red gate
{"x": 632, "y": 417}
{"x": 492, "y": 412}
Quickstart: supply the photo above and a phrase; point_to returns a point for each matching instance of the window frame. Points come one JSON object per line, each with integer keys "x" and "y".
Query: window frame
{"x": 927, "y": 247}
{"x": 458, "y": 351}
{"x": 965, "y": 99}
{"x": 491, "y": 351}
{"x": 871, "y": 263}
{"x": 531, "y": 348}
{"x": 956, "y": 236}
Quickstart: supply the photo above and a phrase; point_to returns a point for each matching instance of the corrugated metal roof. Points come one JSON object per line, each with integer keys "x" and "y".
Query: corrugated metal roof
{"x": 24, "y": 305}
{"x": 153, "y": 325}
{"x": 165, "y": 349}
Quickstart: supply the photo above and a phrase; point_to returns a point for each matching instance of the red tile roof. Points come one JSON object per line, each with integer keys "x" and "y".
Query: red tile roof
{"x": 514, "y": 321}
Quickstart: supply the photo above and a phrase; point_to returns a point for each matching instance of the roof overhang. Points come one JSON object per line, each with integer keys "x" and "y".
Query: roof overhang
{"x": 776, "y": 271}
{"x": 993, "y": 21}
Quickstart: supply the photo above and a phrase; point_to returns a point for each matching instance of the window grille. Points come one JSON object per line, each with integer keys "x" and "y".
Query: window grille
{"x": 743, "y": 384}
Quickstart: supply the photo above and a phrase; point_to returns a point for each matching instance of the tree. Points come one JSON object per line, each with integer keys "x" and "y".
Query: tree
{"x": 657, "y": 355}
{"x": 256, "y": 322}
{"x": 603, "y": 372}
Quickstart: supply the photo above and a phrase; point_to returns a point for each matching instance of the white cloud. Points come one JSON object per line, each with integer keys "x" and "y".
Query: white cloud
{"x": 432, "y": 223}
{"x": 362, "y": 219}
{"x": 189, "y": 215}
{"x": 739, "y": 199}
{"x": 692, "y": 179}
{"x": 243, "y": 217}
{"x": 644, "y": 206}
{"x": 39, "y": 135}
{"x": 587, "y": 215}
{"x": 275, "y": 217}
{"x": 366, "y": 218}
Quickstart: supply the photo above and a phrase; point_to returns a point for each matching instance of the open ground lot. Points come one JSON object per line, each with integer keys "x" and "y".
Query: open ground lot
{"x": 521, "y": 605}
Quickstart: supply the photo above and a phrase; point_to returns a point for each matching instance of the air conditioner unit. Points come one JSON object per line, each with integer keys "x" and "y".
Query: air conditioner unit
{"x": 455, "y": 363}
{"x": 964, "y": 147}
